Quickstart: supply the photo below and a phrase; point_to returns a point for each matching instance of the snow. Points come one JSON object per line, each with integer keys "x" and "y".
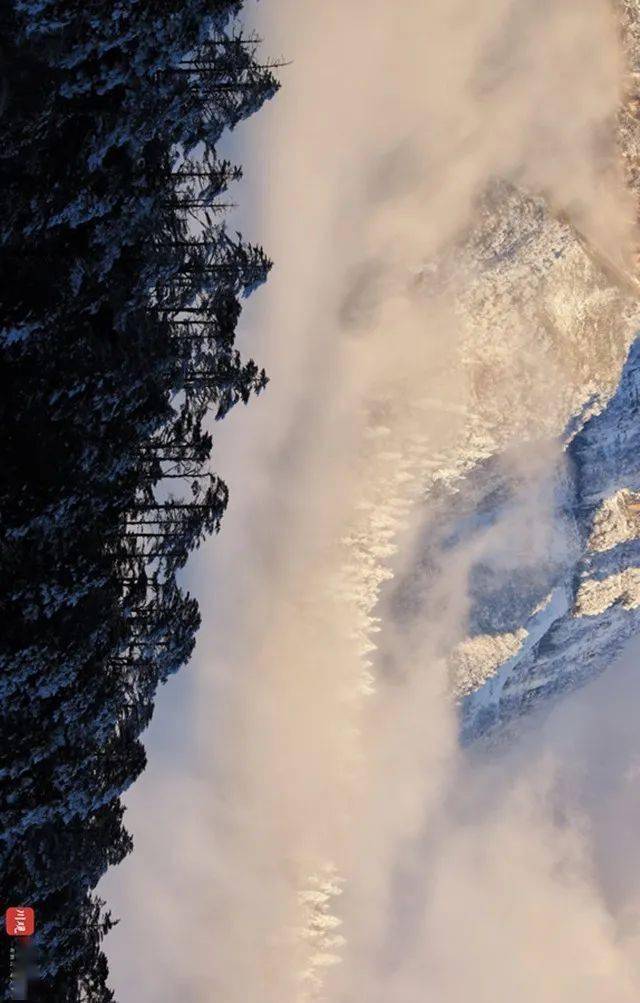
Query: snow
{"x": 477, "y": 659}
{"x": 595, "y": 596}
{"x": 617, "y": 520}
{"x": 543, "y": 616}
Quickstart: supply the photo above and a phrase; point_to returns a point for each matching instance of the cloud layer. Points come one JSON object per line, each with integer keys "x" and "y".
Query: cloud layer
{"x": 461, "y": 877}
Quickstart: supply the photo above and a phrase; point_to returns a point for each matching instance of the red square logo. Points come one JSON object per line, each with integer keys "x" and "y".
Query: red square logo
{"x": 20, "y": 921}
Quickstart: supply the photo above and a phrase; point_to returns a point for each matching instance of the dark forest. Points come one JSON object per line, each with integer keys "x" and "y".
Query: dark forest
{"x": 121, "y": 293}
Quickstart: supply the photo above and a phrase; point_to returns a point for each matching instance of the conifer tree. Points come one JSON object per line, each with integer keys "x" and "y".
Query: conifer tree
{"x": 122, "y": 292}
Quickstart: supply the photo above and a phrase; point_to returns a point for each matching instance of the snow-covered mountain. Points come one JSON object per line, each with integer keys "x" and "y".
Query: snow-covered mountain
{"x": 552, "y": 354}
{"x": 534, "y": 638}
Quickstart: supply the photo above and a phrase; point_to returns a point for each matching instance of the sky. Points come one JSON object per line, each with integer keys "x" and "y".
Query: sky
{"x": 305, "y": 830}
